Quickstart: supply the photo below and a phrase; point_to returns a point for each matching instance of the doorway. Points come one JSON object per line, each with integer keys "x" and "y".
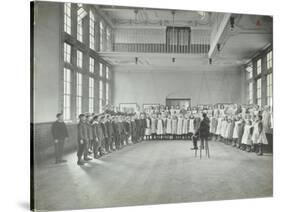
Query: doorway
{"x": 182, "y": 102}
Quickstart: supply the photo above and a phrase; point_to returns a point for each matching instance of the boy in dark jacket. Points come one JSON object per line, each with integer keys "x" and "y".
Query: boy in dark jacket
{"x": 82, "y": 138}
{"x": 60, "y": 135}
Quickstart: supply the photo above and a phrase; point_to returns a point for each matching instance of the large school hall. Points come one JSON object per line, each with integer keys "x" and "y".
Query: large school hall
{"x": 144, "y": 106}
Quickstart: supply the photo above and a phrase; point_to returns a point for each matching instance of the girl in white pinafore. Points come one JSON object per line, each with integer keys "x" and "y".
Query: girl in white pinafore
{"x": 218, "y": 130}
{"x": 261, "y": 139}
{"x": 225, "y": 132}
{"x": 179, "y": 127}
{"x": 169, "y": 127}
{"x": 174, "y": 127}
{"x": 153, "y": 126}
{"x": 223, "y": 128}
{"x": 235, "y": 131}
{"x": 185, "y": 126}
{"x": 148, "y": 128}
{"x": 247, "y": 138}
{"x": 255, "y": 133}
{"x": 191, "y": 126}
{"x": 164, "y": 119}
{"x": 160, "y": 127}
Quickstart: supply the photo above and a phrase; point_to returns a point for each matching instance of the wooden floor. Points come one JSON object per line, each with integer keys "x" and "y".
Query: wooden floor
{"x": 153, "y": 173}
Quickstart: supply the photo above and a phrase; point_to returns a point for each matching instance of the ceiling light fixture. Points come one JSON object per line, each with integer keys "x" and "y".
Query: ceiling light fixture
{"x": 231, "y": 23}
{"x": 219, "y": 47}
{"x": 173, "y": 14}
{"x": 136, "y": 13}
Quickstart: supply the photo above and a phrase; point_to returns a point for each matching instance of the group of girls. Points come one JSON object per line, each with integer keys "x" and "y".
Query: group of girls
{"x": 245, "y": 131}
{"x": 166, "y": 126}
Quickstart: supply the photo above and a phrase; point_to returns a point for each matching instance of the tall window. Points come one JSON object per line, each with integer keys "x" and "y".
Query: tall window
{"x": 92, "y": 65}
{"x": 269, "y": 60}
{"x": 66, "y": 93}
{"x": 67, "y": 18}
{"x": 67, "y": 52}
{"x": 108, "y": 40}
{"x": 100, "y": 96}
{"x": 79, "y": 59}
{"x": 91, "y": 94}
{"x": 269, "y": 89}
{"x": 81, "y": 13}
{"x": 107, "y": 93}
{"x": 101, "y": 36}
{"x": 107, "y": 72}
{"x": 101, "y": 69}
{"x": 249, "y": 70}
{"x": 259, "y": 66}
{"x": 92, "y": 30}
{"x": 78, "y": 94}
{"x": 259, "y": 92}
{"x": 250, "y": 89}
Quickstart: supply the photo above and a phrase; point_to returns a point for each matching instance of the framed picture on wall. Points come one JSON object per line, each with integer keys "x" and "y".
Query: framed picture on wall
{"x": 128, "y": 107}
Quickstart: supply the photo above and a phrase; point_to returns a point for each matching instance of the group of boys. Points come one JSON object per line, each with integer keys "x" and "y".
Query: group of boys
{"x": 107, "y": 132}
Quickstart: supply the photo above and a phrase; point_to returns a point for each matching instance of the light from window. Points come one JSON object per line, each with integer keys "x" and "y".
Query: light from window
{"x": 269, "y": 60}
{"x": 78, "y": 94}
{"x": 101, "y": 36}
{"x": 67, "y": 18}
{"x": 81, "y": 13}
{"x": 91, "y": 94}
{"x": 107, "y": 72}
{"x": 258, "y": 66}
{"x": 101, "y": 69}
{"x": 92, "y": 30}
{"x": 269, "y": 89}
{"x": 259, "y": 92}
{"x": 66, "y": 93}
{"x": 107, "y": 93}
{"x": 108, "y": 40}
{"x": 79, "y": 59}
{"x": 92, "y": 65}
{"x": 250, "y": 94}
{"x": 67, "y": 53}
{"x": 101, "y": 96}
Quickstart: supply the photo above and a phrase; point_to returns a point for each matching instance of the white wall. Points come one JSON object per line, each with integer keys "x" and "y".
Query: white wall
{"x": 153, "y": 87}
{"x": 46, "y": 62}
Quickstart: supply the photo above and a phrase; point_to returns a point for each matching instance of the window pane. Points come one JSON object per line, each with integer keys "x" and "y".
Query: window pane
{"x": 259, "y": 66}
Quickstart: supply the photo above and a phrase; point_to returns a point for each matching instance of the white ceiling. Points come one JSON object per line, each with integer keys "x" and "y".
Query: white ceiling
{"x": 251, "y": 33}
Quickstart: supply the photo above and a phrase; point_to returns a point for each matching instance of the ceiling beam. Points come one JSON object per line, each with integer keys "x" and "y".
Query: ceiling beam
{"x": 218, "y": 31}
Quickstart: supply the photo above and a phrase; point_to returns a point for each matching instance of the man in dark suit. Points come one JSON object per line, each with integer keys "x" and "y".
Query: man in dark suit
{"x": 60, "y": 135}
{"x": 204, "y": 129}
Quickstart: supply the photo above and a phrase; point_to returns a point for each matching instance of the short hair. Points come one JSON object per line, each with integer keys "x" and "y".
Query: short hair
{"x": 58, "y": 115}
{"x": 81, "y": 115}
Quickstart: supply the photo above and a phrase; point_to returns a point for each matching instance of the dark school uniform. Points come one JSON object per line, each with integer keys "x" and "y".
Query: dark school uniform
{"x": 82, "y": 138}
{"x": 59, "y": 133}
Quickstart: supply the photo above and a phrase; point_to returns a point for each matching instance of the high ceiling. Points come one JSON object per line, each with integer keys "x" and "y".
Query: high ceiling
{"x": 126, "y": 17}
{"x": 249, "y": 34}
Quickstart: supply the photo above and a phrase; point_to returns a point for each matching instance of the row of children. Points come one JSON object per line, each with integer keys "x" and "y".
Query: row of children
{"x": 249, "y": 131}
{"x": 101, "y": 134}
{"x": 164, "y": 126}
